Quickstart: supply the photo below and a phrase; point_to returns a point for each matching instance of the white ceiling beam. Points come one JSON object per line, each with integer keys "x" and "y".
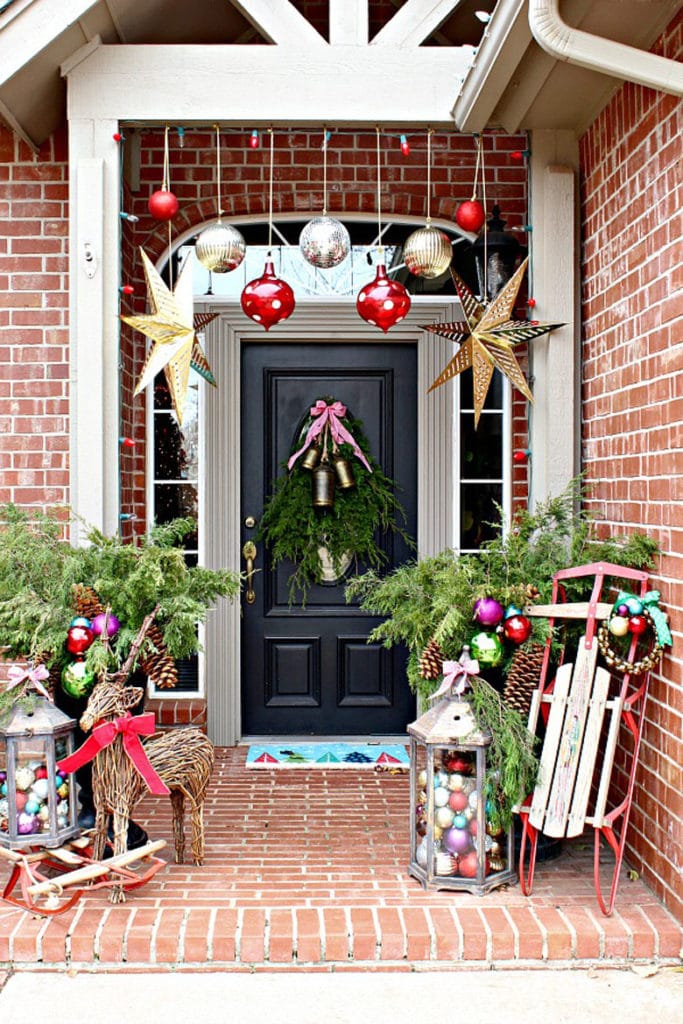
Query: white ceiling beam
{"x": 280, "y": 22}
{"x": 34, "y": 29}
{"x": 349, "y": 22}
{"x": 415, "y": 22}
{"x": 113, "y": 12}
{"x": 360, "y": 85}
{"x": 11, "y": 121}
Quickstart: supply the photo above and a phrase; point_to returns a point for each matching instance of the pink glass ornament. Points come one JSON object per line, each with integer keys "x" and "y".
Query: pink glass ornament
{"x": 384, "y": 302}
{"x": 267, "y": 300}
{"x": 488, "y": 611}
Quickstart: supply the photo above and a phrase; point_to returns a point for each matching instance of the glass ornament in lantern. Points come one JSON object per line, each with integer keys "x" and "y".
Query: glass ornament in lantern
{"x": 427, "y": 252}
{"x": 37, "y": 804}
{"x": 220, "y": 248}
{"x": 267, "y": 300}
{"x": 383, "y": 302}
{"x": 324, "y": 242}
{"x": 456, "y": 839}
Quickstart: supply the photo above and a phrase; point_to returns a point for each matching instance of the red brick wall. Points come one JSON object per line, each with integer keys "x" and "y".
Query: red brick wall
{"x": 633, "y": 406}
{"x": 34, "y": 336}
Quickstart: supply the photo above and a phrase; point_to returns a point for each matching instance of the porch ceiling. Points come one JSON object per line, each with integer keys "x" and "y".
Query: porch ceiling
{"x": 514, "y": 84}
{"x": 37, "y": 37}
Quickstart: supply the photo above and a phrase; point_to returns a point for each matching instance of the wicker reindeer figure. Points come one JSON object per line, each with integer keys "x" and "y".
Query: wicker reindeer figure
{"x": 181, "y": 761}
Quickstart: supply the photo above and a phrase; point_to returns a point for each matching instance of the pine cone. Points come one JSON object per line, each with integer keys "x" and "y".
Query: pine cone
{"x": 159, "y": 665}
{"x": 523, "y": 678}
{"x": 532, "y": 592}
{"x": 431, "y": 661}
{"x": 86, "y": 601}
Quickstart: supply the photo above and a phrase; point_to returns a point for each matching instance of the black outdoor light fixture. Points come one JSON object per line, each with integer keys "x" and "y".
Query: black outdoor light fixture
{"x": 495, "y": 254}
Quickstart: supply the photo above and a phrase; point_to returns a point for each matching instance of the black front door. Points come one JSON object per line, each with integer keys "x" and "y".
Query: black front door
{"x": 308, "y": 670}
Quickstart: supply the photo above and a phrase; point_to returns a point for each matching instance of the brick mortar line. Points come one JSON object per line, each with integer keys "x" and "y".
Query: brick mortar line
{"x": 126, "y": 932}
{"x": 210, "y": 933}
{"x": 98, "y": 932}
{"x": 574, "y": 939}
{"x": 378, "y": 933}
{"x": 349, "y": 933}
{"x": 295, "y": 935}
{"x": 489, "y": 935}
{"x": 515, "y": 933}
{"x": 432, "y": 933}
{"x": 180, "y": 951}
{"x": 616, "y": 916}
{"x": 404, "y": 931}
{"x": 544, "y": 933}
{"x": 601, "y": 933}
{"x": 238, "y": 934}
{"x": 153, "y": 937}
{"x": 461, "y": 932}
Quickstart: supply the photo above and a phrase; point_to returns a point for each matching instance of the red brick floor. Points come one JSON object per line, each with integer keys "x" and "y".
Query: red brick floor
{"x": 307, "y": 869}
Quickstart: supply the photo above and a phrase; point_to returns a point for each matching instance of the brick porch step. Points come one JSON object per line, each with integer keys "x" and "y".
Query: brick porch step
{"x": 306, "y": 869}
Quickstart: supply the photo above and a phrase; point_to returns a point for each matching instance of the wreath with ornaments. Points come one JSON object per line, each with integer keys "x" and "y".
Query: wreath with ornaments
{"x": 329, "y": 509}
{"x": 641, "y": 626}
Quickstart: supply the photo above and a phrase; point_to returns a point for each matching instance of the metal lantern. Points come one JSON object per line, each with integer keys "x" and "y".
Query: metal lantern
{"x": 495, "y": 255}
{"x": 453, "y": 842}
{"x": 220, "y": 248}
{"x": 37, "y": 804}
{"x": 428, "y": 252}
{"x": 324, "y": 242}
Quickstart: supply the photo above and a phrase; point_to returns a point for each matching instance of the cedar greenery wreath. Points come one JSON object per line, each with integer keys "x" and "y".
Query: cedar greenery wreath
{"x": 343, "y": 529}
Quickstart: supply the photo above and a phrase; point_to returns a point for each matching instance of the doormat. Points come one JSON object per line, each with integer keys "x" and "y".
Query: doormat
{"x": 383, "y": 756}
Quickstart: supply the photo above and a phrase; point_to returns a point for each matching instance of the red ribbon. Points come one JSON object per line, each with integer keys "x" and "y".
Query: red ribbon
{"x": 332, "y": 414}
{"x": 130, "y": 727}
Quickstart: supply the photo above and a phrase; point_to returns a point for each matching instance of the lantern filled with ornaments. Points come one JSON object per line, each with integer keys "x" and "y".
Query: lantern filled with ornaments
{"x": 457, "y": 840}
{"x": 37, "y": 803}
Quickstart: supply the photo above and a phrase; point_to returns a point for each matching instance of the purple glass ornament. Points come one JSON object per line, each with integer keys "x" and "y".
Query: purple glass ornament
{"x": 456, "y": 840}
{"x": 27, "y": 824}
{"x": 113, "y": 625}
{"x": 488, "y": 611}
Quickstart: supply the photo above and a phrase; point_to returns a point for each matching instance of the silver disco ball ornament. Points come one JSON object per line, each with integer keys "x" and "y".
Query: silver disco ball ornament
{"x": 427, "y": 252}
{"x": 220, "y": 248}
{"x": 324, "y": 242}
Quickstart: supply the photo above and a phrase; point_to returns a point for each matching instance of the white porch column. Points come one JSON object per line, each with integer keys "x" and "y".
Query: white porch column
{"x": 94, "y": 326}
{"x": 555, "y": 359}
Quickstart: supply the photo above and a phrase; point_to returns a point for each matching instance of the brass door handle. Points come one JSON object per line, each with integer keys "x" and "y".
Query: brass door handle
{"x": 249, "y": 554}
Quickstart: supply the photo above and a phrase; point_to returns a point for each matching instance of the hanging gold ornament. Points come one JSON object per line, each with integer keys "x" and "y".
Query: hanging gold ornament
{"x": 171, "y": 328}
{"x": 486, "y": 337}
{"x": 428, "y": 251}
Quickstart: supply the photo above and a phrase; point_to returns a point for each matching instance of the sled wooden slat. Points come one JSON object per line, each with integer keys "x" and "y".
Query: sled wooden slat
{"x": 589, "y": 753}
{"x": 558, "y": 703}
{"x": 598, "y": 819}
{"x": 578, "y": 610}
{"x": 571, "y": 739}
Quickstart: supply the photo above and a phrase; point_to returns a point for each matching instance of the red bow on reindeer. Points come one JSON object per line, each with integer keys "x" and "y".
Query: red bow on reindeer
{"x": 130, "y": 727}
{"x": 332, "y": 414}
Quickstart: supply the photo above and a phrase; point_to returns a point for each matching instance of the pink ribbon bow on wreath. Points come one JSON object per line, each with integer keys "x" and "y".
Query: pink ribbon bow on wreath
{"x": 456, "y": 676}
{"x": 131, "y": 727}
{"x": 33, "y": 675}
{"x": 332, "y": 414}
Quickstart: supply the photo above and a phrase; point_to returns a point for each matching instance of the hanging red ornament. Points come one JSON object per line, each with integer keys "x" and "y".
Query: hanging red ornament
{"x": 470, "y": 215}
{"x": 162, "y": 204}
{"x": 637, "y": 624}
{"x": 79, "y": 639}
{"x": 267, "y": 299}
{"x": 383, "y": 302}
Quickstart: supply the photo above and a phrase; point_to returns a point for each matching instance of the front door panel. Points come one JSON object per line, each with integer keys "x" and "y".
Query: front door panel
{"x": 309, "y": 670}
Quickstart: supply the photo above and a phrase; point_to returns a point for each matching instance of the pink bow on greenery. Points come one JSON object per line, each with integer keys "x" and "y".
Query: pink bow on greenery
{"x": 456, "y": 676}
{"x": 34, "y": 676}
{"x": 332, "y": 414}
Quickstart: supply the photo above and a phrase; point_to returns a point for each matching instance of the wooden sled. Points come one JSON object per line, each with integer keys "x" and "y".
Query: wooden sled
{"x": 582, "y": 723}
{"x": 72, "y": 873}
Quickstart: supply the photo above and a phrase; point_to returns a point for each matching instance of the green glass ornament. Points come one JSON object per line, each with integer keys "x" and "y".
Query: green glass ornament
{"x": 77, "y": 681}
{"x": 486, "y": 648}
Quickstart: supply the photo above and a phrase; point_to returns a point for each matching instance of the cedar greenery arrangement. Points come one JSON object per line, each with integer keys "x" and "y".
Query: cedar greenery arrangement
{"x": 297, "y": 532}
{"x": 429, "y": 604}
{"x": 433, "y": 598}
{"x": 44, "y": 582}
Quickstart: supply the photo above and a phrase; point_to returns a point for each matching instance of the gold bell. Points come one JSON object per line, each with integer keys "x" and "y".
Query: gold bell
{"x": 344, "y": 472}
{"x": 323, "y": 486}
{"x": 311, "y": 457}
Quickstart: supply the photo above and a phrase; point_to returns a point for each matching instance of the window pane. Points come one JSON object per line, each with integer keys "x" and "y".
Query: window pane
{"x": 477, "y": 512}
{"x": 494, "y": 395}
{"x": 175, "y": 448}
{"x": 174, "y": 501}
{"x": 482, "y": 453}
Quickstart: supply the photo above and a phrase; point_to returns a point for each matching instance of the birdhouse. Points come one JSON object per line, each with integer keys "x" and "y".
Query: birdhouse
{"x": 456, "y": 841}
{"x": 37, "y": 803}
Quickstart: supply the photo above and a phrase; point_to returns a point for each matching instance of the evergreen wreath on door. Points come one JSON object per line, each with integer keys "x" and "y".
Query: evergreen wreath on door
{"x": 330, "y": 507}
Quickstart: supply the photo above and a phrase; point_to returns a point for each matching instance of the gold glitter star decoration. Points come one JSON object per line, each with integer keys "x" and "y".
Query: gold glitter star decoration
{"x": 486, "y": 337}
{"x": 172, "y": 327}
